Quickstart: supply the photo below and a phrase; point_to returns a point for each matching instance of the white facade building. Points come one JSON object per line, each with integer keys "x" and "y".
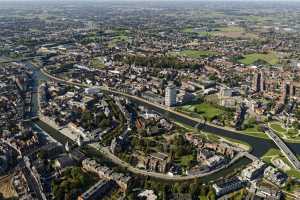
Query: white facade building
{"x": 170, "y": 95}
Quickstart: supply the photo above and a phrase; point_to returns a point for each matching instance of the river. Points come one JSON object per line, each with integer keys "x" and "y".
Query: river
{"x": 259, "y": 145}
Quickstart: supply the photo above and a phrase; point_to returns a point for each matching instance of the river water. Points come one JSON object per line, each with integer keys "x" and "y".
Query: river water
{"x": 259, "y": 146}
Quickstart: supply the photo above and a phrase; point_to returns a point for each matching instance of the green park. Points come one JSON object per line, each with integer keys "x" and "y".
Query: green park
{"x": 270, "y": 58}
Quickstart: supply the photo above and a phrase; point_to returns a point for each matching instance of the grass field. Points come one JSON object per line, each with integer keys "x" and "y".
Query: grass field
{"x": 272, "y": 152}
{"x": 289, "y": 134}
{"x": 255, "y": 133}
{"x": 292, "y": 132}
{"x": 270, "y": 58}
{"x": 195, "y": 53}
{"x": 202, "y": 197}
{"x": 230, "y": 31}
{"x": 294, "y": 173}
{"x": 97, "y": 62}
{"x": 254, "y": 129}
{"x": 239, "y": 143}
{"x": 117, "y": 39}
{"x": 194, "y": 30}
{"x": 185, "y": 160}
{"x": 233, "y": 32}
{"x": 204, "y": 109}
{"x": 276, "y": 153}
{"x": 278, "y": 128}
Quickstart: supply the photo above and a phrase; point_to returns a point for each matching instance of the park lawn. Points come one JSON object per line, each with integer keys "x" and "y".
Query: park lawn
{"x": 195, "y": 53}
{"x": 292, "y": 132}
{"x": 205, "y": 109}
{"x": 185, "y": 160}
{"x": 121, "y": 38}
{"x": 202, "y": 197}
{"x": 272, "y": 152}
{"x": 117, "y": 39}
{"x": 212, "y": 137}
{"x": 294, "y": 173}
{"x": 276, "y": 153}
{"x": 246, "y": 146}
{"x": 251, "y": 130}
{"x": 270, "y": 58}
{"x": 254, "y": 129}
{"x": 256, "y": 134}
{"x": 98, "y": 62}
{"x": 278, "y": 128}
{"x": 267, "y": 159}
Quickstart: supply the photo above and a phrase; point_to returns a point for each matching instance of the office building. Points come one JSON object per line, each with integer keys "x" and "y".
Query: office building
{"x": 170, "y": 95}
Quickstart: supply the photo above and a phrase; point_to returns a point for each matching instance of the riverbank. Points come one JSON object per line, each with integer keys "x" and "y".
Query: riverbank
{"x": 210, "y": 136}
{"x": 261, "y": 145}
{"x": 104, "y": 151}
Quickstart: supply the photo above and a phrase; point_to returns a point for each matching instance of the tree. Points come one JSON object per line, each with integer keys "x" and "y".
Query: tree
{"x": 176, "y": 187}
{"x": 194, "y": 189}
{"x": 41, "y": 155}
{"x": 211, "y": 195}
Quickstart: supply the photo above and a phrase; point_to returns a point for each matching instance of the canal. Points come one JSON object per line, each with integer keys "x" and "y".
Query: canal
{"x": 259, "y": 145}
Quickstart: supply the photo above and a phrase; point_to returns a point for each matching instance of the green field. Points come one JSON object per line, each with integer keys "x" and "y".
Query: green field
{"x": 254, "y": 129}
{"x": 289, "y": 134}
{"x": 233, "y": 32}
{"x": 199, "y": 32}
{"x": 229, "y": 31}
{"x": 117, "y": 39}
{"x": 255, "y": 134}
{"x": 272, "y": 152}
{"x": 195, "y": 53}
{"x": 270, "y": 58}
{"x": 276, "y": 153}
{"x": 278, "y": 128}
{"x": 240, "y": 143}
{"x": 185, "y": 160}
{"x": 97, "y": 62}
{"x": 206, "y": 110}
{"x": 292, "y": 132}
{"x": 294, "y": 173}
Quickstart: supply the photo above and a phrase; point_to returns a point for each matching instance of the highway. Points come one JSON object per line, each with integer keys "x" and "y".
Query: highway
{"x": 283, "y": 147}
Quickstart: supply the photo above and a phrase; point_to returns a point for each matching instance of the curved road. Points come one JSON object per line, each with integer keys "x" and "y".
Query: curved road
{"x": 135, "y": 170}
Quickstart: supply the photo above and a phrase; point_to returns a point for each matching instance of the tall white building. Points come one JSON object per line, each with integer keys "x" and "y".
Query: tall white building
{"x": 170, "y": 95}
